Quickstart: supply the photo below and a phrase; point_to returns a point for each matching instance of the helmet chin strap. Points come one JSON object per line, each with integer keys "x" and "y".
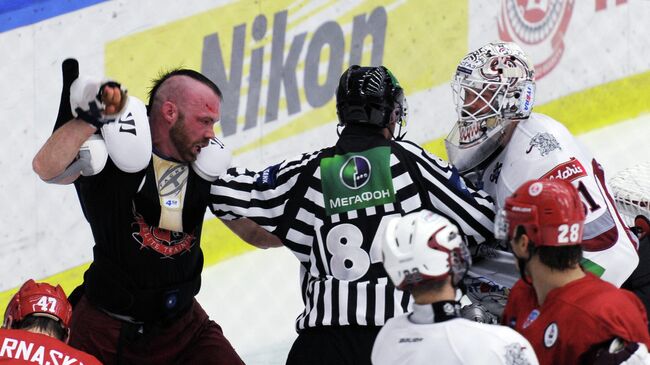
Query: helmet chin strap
{"x": 339, "y": 128}
{"x": 399, "y": 135}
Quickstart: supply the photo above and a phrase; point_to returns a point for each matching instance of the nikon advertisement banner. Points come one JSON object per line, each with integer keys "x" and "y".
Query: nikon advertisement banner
{"x": 278, "y": 64}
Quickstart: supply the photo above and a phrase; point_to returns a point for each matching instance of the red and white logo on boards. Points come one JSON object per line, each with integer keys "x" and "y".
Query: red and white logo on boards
{"x": 568, "y": 171}
{"x": 539, "y": 26}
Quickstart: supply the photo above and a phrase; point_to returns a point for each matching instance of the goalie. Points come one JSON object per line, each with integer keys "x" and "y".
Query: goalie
{"x": 498, "y": 143}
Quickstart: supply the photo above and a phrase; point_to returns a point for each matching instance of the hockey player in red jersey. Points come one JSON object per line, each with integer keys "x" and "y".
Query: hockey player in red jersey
{"x": 568, "y": 315}
{"x": 36, "y": 328}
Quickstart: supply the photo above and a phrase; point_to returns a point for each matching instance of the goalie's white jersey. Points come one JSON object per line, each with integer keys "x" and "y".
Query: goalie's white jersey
{"x": 542, "y": 147}
{"x": 454, "y": 341}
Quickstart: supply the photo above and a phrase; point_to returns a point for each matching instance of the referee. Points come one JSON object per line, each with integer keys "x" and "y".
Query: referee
{"x": 330, "y": 208}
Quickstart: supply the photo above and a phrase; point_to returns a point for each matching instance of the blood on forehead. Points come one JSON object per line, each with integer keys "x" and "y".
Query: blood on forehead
{"x": 210, "y": 108}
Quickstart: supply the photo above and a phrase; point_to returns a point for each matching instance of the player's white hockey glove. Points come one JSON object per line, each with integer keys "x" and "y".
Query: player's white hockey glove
{"x": 92, "y": 102}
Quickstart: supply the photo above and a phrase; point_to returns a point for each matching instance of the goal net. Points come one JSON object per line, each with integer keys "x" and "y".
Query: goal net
{"x": 631, "y": 191}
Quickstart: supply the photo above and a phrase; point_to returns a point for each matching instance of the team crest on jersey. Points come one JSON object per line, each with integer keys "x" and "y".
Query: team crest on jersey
{"x": 544, "y": 142}
{"x": 569, "y": 171}
{"x": 531, "y": 318}
{"x": 165, "y": 242}
{"x": 551, "y": 334}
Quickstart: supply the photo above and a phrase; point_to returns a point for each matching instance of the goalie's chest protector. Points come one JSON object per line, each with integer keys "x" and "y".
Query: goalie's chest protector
{"x": 537, "y": 146}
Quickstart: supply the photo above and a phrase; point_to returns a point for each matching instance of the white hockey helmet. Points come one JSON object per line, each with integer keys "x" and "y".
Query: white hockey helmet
{"x": 492, "y": 86}
{"x": 424, "y": 246}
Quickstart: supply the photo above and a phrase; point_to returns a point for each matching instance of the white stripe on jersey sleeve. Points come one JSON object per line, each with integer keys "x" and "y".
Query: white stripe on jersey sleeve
{"x": 315, "y": 197}
{"x": 306, "y": 217}
{"x": 412, "y": 203}
{"x": 446, "y": 210}
{"x": 253, "y": 193}
{"x": 482, "y": 219}
{"x": 229, "y": 217}
{"x": 292, "y": 164}
{"x": 251, "y": 212}
{"x": 299, "y": 237}
{"x": 401, "y": 181}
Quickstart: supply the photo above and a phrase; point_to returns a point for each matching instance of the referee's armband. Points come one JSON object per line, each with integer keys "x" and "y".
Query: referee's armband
{"x": 268, "y": 177}
{"x": 458, "y": 181}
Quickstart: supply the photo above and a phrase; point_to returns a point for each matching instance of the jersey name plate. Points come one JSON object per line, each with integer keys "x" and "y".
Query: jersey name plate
{"x": 357, "y": 180}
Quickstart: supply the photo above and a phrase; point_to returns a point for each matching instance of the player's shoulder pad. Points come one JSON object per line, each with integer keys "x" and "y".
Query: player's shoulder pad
{"x": 213, "y": 160}
{"x": 94, "y": 150}
{"x": 128, "y": 138}
{"x": 90, "y": 161}
{"x": 543, "y": 124}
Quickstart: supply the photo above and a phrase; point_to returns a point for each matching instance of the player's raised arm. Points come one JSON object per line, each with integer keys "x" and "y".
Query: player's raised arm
{"x": 85, "y": 106}
{"x": 61, "y": 149}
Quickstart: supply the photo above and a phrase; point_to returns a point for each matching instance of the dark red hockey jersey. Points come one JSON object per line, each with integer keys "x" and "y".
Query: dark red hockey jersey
{"x": 574, "y": 318}
{"x": 23, "y": 347}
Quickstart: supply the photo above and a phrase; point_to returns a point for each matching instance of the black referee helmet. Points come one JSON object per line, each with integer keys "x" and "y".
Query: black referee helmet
{"x": 367, "y": 95}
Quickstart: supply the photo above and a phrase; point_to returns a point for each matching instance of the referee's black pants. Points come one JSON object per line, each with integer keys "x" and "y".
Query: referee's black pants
{"x": 333, "y": 345}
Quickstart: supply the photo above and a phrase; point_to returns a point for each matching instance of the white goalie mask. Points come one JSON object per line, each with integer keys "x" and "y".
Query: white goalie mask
{"x": 424, "y": 246}
{"x": 493, "y": 86}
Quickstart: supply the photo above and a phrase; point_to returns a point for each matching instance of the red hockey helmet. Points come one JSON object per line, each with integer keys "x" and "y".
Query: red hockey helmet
{"x": 549, "y": 210}
{"x": 39, "y": 299}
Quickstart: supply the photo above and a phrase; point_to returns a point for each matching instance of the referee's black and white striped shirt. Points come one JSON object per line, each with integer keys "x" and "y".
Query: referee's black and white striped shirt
{"x": 330, "y": 208}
